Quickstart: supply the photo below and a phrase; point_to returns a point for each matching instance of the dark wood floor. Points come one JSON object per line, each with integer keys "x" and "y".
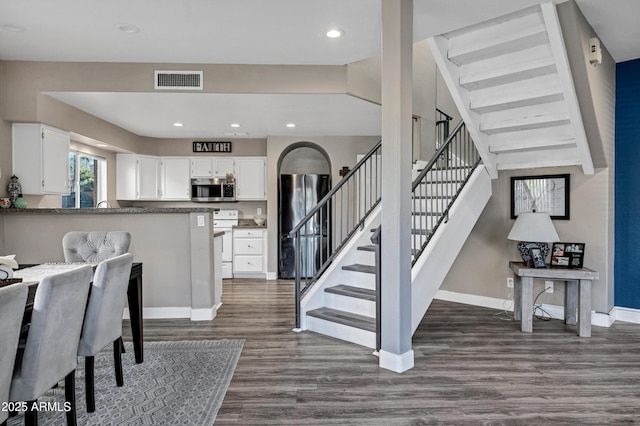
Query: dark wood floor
{"x": 470, "y": 368}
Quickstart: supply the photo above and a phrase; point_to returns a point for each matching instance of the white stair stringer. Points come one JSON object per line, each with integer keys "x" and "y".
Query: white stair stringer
{"x": 511, "y": 82}
{"x": 432, "y": 266}
{"x": 317, "y": 297}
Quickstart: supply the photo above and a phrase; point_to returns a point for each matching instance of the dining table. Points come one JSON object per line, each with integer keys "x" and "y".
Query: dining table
{"x": 32, "y": 274}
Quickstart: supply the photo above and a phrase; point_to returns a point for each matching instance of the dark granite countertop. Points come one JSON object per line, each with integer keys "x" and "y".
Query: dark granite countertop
{"x": 123, "y": 210}
{"x": 218, "y": 234}
{"x": 250, "y": 226}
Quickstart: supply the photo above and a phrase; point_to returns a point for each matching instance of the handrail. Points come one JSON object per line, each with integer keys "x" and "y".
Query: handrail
{"x": 446, "y": 116}
{"x": 324, "y": 231}
{"x": 335, "y": 189}
{"x": 433, "y": 195}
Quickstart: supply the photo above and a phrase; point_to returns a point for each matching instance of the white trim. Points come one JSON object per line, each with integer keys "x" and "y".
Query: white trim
{"x": 272, "y": 276}
{"x": 599, "y": 319}
{"x": 472, "y": 299}
{"x": 620, "y": 313}
{"x": 396, "y": 363}
{"x": 163, "y": 313}
{"x": 203, "y": 314}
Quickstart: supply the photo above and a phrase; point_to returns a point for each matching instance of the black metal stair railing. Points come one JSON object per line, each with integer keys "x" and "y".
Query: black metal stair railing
{"x": 338, "y": 216}
{"x": 438, "y": 185}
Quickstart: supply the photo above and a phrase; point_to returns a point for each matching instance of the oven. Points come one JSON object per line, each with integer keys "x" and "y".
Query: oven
{"x": 212, "y": 190}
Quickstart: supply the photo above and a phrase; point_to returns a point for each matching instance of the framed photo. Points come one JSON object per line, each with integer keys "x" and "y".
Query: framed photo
{"x": 543, "y": 194}
{"x": 568, "y": 255}
{"x": 536, "y": 258}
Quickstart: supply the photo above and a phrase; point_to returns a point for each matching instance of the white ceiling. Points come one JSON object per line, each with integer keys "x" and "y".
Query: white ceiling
{"x": 248, "y": 32}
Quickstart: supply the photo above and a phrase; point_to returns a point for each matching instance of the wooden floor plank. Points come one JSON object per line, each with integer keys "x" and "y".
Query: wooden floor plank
{"x": 470, "y": 368}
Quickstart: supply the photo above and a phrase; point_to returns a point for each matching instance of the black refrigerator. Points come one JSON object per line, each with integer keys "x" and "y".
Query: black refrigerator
{"x": 299, "y": 194}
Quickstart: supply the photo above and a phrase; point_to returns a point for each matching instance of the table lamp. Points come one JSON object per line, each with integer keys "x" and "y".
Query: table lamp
{"x": 533, "y": 230}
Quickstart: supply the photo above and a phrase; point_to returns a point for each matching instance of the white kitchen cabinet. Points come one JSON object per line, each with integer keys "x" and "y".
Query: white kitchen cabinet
{"x": 137, "y": 177}
{"x": 41, "y": 158}
{"x": 202, "y": 167}
{"x": 249, "y": 252}
{"x": 175, "y": 184}
{"x": 223, "y": 166}
{"x": 212, "y": 167}
{"x": 251, "y": 178}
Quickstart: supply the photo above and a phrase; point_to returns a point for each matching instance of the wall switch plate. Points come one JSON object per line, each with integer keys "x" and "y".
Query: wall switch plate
{"x": 510, "y": 282}
{"x": 259, "y": 211}
{"x": 200, "y": 220}
{"x": 549, "y": 286}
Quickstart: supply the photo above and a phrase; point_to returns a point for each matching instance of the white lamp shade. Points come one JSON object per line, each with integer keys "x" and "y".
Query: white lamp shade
{"x": 536, "y": 227}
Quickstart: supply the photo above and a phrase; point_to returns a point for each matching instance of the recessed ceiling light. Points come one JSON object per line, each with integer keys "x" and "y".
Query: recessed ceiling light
{"x": 14, "y": 28}
{"x": 235, "y": 125}
{"x": 177, "y": 124}
{"x": 335, "y": 33}
{"x": 127, "y": 28}
{"x": 291, "y": 125}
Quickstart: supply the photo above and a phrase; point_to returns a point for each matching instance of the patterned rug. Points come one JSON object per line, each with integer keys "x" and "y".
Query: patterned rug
{"x": 179, "y": 383}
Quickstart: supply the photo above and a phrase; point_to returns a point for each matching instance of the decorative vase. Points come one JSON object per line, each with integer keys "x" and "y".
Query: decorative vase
{"x": 20, "y": 203}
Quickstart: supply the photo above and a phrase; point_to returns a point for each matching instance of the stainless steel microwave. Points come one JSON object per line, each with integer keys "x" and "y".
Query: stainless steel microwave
{"x": 212, "y": 190}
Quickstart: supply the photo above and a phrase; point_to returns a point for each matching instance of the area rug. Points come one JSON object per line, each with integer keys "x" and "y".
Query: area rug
{"x": 179, "y": 383}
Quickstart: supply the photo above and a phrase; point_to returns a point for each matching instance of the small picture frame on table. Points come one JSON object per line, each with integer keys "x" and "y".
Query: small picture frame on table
{"x": 568, "y": 255}
{"x": 536, "y": 258}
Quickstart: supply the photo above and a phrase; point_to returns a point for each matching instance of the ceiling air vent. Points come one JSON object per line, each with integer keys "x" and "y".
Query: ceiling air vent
{"x": 178, "y": 80}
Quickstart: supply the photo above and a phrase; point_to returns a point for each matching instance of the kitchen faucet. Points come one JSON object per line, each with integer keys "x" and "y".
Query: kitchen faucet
{"x": 103, "y": 201}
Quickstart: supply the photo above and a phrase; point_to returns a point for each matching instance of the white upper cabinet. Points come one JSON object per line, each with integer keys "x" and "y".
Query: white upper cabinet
{"x": 138, "y": 177}
{"x": 212, "y": 167}
{"x": 251, "y": 178}
{"x": 175, "y": 178}
{"x": 202, "y": 167}
{"x": 41, "y": 158}
{"x": 223, "y": 166}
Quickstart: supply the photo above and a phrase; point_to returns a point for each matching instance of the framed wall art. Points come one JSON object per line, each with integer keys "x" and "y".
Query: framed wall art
{"x": 542, "y": 194}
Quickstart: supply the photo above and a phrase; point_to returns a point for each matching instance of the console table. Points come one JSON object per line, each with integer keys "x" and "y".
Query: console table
{"x": 577, "y": 298}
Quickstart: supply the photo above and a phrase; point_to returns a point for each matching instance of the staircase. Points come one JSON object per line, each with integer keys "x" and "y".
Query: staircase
{"x": 342, "y": 303}
{"x": 511, "y": 82}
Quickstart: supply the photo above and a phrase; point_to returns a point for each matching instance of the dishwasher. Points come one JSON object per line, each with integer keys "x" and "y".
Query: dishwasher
{"x": 225, "y": 220}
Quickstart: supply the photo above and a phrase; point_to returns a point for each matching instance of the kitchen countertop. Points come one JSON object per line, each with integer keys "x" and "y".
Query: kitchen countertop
{"x": 123, "y": 210}
{"x": 249, "y": 226}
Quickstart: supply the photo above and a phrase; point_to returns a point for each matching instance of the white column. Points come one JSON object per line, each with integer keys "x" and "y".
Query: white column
{"x": 397, "y": 62}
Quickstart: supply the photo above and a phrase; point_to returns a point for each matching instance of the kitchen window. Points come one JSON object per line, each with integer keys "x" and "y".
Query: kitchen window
{"x": 87, "y": 177}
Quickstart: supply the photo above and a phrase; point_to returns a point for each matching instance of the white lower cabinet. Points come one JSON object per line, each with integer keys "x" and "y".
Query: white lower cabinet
{"x": 249, "y": 252}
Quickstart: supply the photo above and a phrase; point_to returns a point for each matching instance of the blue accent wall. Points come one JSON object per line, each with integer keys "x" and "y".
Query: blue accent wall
{"x": 627, "y": 185}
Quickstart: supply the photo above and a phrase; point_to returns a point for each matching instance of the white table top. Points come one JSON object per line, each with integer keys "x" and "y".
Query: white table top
{"x": 38, "y": 272}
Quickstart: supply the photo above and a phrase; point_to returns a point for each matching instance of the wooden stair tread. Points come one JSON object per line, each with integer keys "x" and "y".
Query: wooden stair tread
{"x": 368, "y": 269}
{"x": 345, "y": 318}
{"x": 351, "y": 291}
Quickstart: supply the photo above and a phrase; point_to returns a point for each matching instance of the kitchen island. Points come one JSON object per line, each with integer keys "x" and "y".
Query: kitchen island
{"x": 176, "y": 246}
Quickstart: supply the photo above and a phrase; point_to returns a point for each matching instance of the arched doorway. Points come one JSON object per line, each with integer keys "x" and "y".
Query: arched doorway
{"x": 304, "y": 177}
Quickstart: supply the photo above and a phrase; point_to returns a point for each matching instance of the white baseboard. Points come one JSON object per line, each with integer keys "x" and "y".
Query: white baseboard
{"x": 598, "y": 319}
{"x": 203, "y": 314}
{"x": 471, "y": 299}
{"x": 162, "y": 313}
{"x": 620, "y": 313}
{"x": 396, "y": 363}
{"x": 272, "y": 276}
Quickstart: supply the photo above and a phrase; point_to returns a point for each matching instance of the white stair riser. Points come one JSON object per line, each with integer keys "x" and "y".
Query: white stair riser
{"x": 350, "y": 304}
{"x": 366, "y": 257}
{"x": 358, "y": 279}
{"x": 342, "y": 332}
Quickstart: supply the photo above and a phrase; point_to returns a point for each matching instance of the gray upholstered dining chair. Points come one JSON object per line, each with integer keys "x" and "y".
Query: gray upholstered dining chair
{"x": 52, "y": 342}
{"x": 94, "y": 246}
{"x": 103, "y": 318}
{"x": 13, "y": 299}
